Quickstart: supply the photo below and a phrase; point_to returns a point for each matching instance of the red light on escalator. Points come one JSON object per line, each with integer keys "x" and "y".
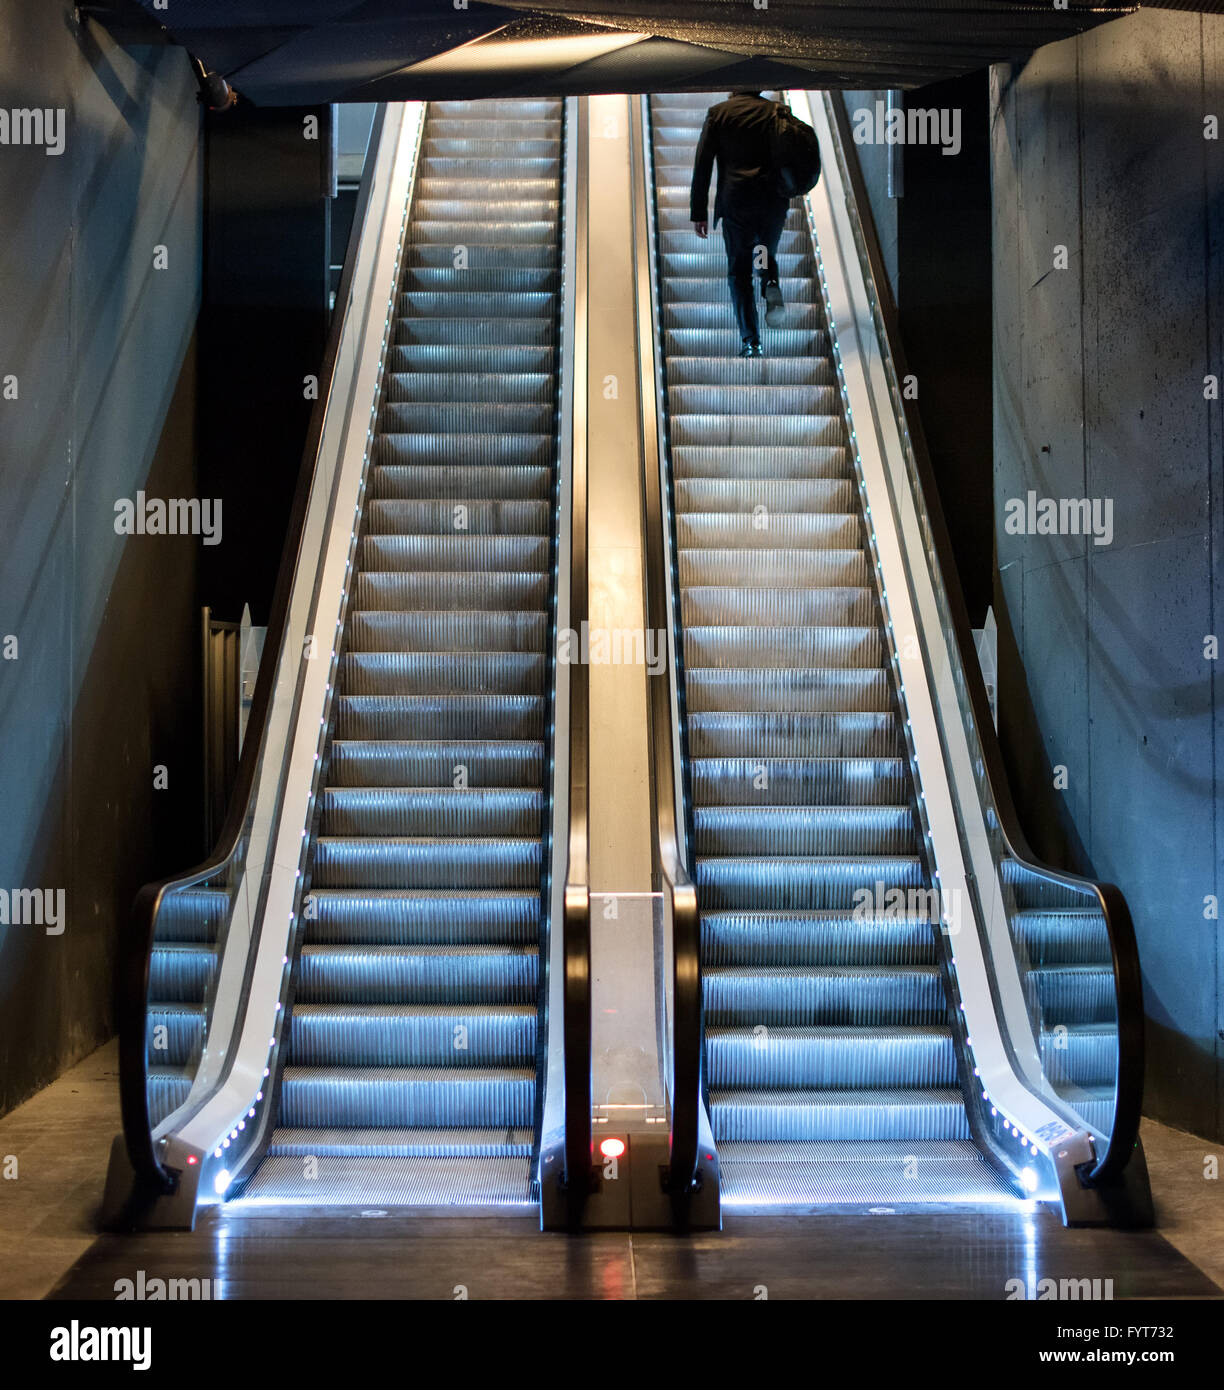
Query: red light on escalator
{"x": 612, "y": 1148}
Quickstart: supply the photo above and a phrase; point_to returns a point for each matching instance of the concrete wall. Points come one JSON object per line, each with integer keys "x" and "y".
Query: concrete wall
{"x": 873, "y": 161}
{"x": 1098, "y": 146}
{"x": 99, "y": 631}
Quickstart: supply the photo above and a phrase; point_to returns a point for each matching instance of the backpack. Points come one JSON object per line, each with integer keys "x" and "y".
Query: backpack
{"x": 794, "y": 153}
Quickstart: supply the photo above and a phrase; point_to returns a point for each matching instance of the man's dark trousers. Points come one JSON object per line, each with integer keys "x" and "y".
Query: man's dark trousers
{"x": 744, "y": 228}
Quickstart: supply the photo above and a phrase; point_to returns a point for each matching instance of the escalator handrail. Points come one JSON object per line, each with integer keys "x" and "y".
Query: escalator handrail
{"x": 576, "y": 926}
{"x": 135, "y": 956}
{"x": 1128, "y": 986}
{"x": 671, "y": 849}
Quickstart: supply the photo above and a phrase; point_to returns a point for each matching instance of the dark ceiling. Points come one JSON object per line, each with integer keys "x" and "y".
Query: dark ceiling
{"x": 290, "y": 52}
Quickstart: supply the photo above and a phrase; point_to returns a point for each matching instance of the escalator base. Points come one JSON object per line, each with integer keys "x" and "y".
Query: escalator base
{"x": 764, "y": 1178}
{"x": 475, "y": 1184}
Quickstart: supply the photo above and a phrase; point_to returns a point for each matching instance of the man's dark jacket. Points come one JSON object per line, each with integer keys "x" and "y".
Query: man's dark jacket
{"x": 737, "y": 132}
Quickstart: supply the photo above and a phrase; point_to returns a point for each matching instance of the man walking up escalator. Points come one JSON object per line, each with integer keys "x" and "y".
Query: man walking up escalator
{"x": 738, "y": 133}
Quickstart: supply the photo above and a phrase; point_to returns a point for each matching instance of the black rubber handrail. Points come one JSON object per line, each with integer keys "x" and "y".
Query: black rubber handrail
{"x": 1124, "y": 953}
{"x": 671, "y": 840}
{"x": 576, "y": 926}
{"x": 135, "y": 955}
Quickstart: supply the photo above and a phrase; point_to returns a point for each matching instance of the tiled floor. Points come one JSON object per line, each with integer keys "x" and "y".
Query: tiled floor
{"x": 61, "y": 1139}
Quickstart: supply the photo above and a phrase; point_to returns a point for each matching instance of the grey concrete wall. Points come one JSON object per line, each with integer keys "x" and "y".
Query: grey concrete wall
{"x": 1098, "y": 146}
{"x": 98, "y": 631}
{"x": 873, "y": 160}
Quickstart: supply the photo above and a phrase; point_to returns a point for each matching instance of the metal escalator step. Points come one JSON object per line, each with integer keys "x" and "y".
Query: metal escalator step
{"x": 461, "y": 302}
{"x": 1084, "y": 1055}
{"x": 437, "y": 975}
{"x": 386, "y": 917}
{"x": 768, "y": 648}
{"x": 714, "y": 316}
{"x": 460, "y": 482}
{"x": 464, "y": 630}
{"x": 442, "y": 1182}
{"x": 457, "y": 208}
{"x": 520, "y": 553}
{"x": 401, "y": 1035}
{"x": 830, "y": 1059}
{"x": 441, "y": 673}
{"x": 764, "y": 496}
{"x": 180, "y": 973}
{"x": 697, "y": 340}
{"x": 428, "y": 447}
{"x": 779, "y": 463}
{"x": 1033, "y": 892}
{"x": 705, "y": 605}
{"x": 490, "y": 280}
{"x": 465, "y": 417}
{"x": 452, "y": 232}
{"x": 167, "y": 1088}
{"x": 491, "y": 108}
{"x": 475, "y": 124}
{"x": 799, "y": 782}
{"x": 458, "y": 359}
{"x": 811, "y": 831}
{"x": 1062, "y": 937}
{"x": 803, "y": 430}
{"x": 793, "y": 881}
{"x": 1072, "y": 994}
{"x": 471, "y": 516}
{"x": 805, "y": 1116}
{"x": 438, "y": 762}
{"x": 676, "y": 234}
{"x": 690, "y": 290}
{"x": 803, "y": 1177}
{"x": 457, "y": 182}
{"x": 469, "y": 332}
{"x": 174, "y": 1035}
{"x": 192, "y": 915}
{"x": 437, "y": 811}
{"x": 798, "y": 530}
{"x": 844, "y": 996}
{"x": 490, "y": 148}
{"x": 768, "y": 567}
{"x": 401, "y": 1143}
{"x": 407, "y": 1097}
{"x": 482, "y": 387}
{"x": 788, "y": 735}
{"x": 479, "y": 166}
{"x": 423, "y": 862}
{"x": 1094, "y": 1104}
{"x": 712, "y": 264}
{"x": 779, "y": 939}
{"x": 440, "y": 718}
{"x": 714, "y": 373}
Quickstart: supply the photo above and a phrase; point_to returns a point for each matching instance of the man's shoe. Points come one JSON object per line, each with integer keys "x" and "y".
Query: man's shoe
{"x": 775, "y": 309}
{"x": 751, "y": 349}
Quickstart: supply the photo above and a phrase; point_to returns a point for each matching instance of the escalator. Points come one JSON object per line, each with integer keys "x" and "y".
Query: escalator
{"x": 837, "y": 1065}
{"x": 411, "y": 1067}
{"x": 407, "y": 1052}
{"x": 801, "y": 796}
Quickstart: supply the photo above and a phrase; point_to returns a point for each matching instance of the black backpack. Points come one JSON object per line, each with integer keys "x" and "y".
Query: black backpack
{"x": 794, "y": 153}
